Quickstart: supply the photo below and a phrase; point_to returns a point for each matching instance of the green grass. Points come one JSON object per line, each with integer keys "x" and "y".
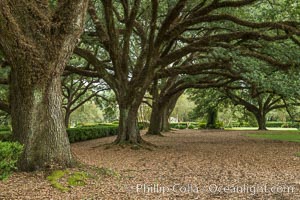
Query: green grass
{"x": 78, "y": 179}
{"x": 71, "y": 179}
{"x": 54, "y": 180}
{"x": 290, "y": 136}
{"x": 255, "y": 128}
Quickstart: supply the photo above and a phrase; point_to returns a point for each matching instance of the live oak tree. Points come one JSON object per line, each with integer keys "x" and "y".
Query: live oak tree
{"x": 166, "y": 93}
{"x": 260, "y": 99}
{"x": 78, "y": 90}
{"x": 162, "y": 106}
{"x": 262, "y": 88}
{"x": 171, "y": 83}
{"x": 259, "y": 105}
{"x": 258, "y": 92}
{"x": 209, "y": 101}
{"x": 37, "y": 39}
{"x": 142, "y": 38}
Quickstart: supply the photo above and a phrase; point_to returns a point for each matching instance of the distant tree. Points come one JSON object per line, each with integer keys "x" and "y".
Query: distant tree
{"x": 208, "y": 102}
{"x": 87, "y": 114}
{"x": 257, "y": 95}
{"x": 77, "y": 90}
{"x": 166, "y": 92}
{"x": 109, "y": 107}
{"x": 260, "y": 100}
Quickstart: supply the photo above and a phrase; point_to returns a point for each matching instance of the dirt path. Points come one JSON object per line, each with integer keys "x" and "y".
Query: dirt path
{"x": 185, "y": 165}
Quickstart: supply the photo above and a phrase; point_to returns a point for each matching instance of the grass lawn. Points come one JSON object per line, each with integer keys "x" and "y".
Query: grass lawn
{"x": 255, "y": 128}
{"x": 291, "y": 136}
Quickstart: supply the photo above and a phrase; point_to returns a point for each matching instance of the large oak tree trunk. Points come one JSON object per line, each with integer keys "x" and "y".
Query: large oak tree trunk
{"x": 156, "y": 119}
{"x": 161, "y": 111}
{"x": 212, "y": 118}
{"x": 38, "y": 122}
{"x": 165, "y": 125}
{"x": 167, "y": 111}
{"x": 261, "y": 121}
{"x": 128, "y": 127}
{"x": 37, "y": 40}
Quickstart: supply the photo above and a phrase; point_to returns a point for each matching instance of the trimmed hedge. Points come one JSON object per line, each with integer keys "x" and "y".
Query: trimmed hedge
{"x": 239, "y": 124}
{"x": 96, "y": 131}
{"x": 9, "y": 155}
{"x": 4, "y": 129}
{"x": 193, "y": 125}
{"x": 141, "y": 125}
{"x": 202, "y": 125}
{"x": 270, "y": 124}
{"x": 88, "y": 133}
{"x": 184, "y": 125}
{"x": 179, "y": 125}
{"x": 283, "y": 124}
{"x": 97, "y": 125}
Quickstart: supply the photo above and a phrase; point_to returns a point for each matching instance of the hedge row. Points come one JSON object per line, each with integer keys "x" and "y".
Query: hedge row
{"x": 5, "y": 136}
{"x": 96, "y": 131}
{"x": 193, "y": 125}
{"x": 88, "y": 133}
{"x": 202, "y": 125}
{"x": 270, "y": 124}
{"x": 4, "y": 128}
{"x": 141, "y": 125}
{"x": 283, "y": 124}
{"x": 97, "y": 125}
{"x": 184, "y": 125}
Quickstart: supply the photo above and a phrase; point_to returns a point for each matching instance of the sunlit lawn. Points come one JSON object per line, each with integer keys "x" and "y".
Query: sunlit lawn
{"x": 255, "y": 128}
{"x": 290, "y": 136}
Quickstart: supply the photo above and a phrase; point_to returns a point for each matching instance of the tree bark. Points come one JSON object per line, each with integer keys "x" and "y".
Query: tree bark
{"x": 165, "y": 125}
{"x": 156, "y": 119}
{"x": 212, "y": 118}
{"x": 37, "y": 122}
{"x": 67, "y": 118}
{"x": 167, "y": 111}
{"x": 161, "y": 111}
{"x": 261, "y": 121}
{"x": 128, "y": 127}
{"x": 42, "y": 42}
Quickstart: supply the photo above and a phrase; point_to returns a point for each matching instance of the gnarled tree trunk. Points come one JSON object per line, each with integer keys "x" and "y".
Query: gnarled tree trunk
{"x": 168, "y": 111}
{"x": 261, "y": 121}
{"x": 37, "y": 122}
{"x": 161, "y": 111}
{"x": 128, "y": 127}
{"x": 37, "y": 40}
{"x": 165, "y": 125}
{"x": 212, "y": 118}
{"x": 156, "y": 118}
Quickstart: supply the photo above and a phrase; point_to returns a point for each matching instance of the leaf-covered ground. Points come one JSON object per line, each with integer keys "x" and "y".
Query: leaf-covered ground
{"x": 186, "y": 164}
